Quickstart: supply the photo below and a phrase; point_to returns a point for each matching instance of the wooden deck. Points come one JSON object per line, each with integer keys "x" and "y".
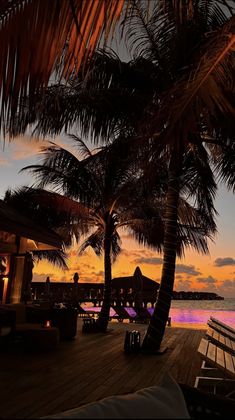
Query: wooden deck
{"x": 89, "y": 368}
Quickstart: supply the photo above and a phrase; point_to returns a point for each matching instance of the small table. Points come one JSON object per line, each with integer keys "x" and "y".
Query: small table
{"x": 37, "y": 337}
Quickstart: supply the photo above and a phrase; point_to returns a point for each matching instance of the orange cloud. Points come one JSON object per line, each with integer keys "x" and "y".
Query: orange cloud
{"x": 5, "y": 162}
{"x": 193, "y": 272}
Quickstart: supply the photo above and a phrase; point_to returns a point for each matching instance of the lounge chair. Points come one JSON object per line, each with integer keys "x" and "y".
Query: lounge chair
{"x": 142, "y": 315}
{"x": 221, "y": 324}
{"x": 221, "y": 340}
{"x": 220, "y": 368}
{"x": 121, "y": 314}
{"x": 81, "y": 312}
{"x": 222, "y": 330}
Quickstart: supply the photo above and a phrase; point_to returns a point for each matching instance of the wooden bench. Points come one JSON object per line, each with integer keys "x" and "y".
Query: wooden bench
{"x": 222, "y": 330}
{"x": 221, "y": 324}
{"x": 221, "y": 367}
{"x": 217, "y": 357}
{"x": 221, "y": 341}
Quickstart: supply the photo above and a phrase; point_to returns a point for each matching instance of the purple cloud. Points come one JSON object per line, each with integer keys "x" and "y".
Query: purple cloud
{"x": 148, "y": 260}
{"x": 221, "y": 262}
{"x": 187, "y": 269}
{"x": 206, "y": 280}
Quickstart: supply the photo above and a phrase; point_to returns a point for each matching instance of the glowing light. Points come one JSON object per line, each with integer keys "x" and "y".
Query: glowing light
{"x": 5, "y": 285}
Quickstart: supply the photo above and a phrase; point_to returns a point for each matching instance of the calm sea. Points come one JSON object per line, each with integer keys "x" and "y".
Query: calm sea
{"x": 194, "y": 311}
{"x": 198, "y": 312}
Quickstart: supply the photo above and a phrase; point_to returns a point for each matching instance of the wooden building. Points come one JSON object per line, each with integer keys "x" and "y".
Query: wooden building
{"x": 126, "y": 291}
{"x": 19, "y": 236}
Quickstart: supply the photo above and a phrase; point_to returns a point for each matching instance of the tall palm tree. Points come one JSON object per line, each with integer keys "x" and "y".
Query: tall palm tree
{"x": 198, "y": 94}
{"x": 116, "y": 197}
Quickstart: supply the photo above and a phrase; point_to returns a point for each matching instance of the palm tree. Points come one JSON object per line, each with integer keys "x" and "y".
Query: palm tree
{"x": 116, "y": 197}
{"x": 102, "y": 182}
{"x": 187, "y": 61}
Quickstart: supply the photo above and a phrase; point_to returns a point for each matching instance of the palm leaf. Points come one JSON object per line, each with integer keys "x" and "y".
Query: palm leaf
{"x": 64, "y": 172}
{"x": 57, "y": 257}
{"x": 207, "y": 84}
{"x": 95, "y": 241}
{"x": 58, "y": 35}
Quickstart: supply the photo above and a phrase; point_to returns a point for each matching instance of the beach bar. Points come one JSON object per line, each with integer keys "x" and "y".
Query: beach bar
{"x": 18, "y": 237}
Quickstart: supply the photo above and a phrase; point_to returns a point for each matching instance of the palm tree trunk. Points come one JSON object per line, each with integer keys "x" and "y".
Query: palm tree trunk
{"x": 157, "y": 325}
{"x": 103, "y": 319}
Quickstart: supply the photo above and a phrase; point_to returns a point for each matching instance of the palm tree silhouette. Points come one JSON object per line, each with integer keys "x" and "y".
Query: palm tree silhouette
{"x": 114, "y": 197}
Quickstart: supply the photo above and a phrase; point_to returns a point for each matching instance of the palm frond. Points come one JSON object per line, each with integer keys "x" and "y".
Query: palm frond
{"x": 195, "y": 238}
{"x": 65, "y": 173}
{"x": 81, "y": 146}
{"x": 198, "y": 181}
{"x": 55, "y": 257}
{"x": 87, "y": 102}
{"x": 95, "y": 241}
{"x": 58, "y": 36}
{"x": 206, "y": 85}
{"x": 225, "y": 167}
{"x": 67, "y": 217}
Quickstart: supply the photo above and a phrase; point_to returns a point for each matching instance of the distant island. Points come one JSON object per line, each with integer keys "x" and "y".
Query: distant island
{"x": 196, "y": 296}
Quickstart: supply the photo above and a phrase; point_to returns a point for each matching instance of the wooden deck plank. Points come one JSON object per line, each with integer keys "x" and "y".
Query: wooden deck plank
{"x": 225, "y": 332}
{"x": 216, "y": 335}
{"x": 210, "y": 332}
{"x": 89, "y": 368}
{"x": 220, "y": 357}
{"x": 222, "y": 339}
{"x": 203, "y": 346}
{"x": 229, "y": 363}
{"x": 222, "y": 324}
{"x": 211, "y": 352}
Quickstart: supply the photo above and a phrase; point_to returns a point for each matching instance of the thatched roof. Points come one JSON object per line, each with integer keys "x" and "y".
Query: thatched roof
{"x": 13, "y": 224}
{"x": 130, "y": 281}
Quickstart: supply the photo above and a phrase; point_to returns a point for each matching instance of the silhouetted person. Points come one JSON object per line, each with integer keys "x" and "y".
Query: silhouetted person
{"x": 47, "y": 287}
{"x": 75, "y": 277}
{"x": 75, "y": 294}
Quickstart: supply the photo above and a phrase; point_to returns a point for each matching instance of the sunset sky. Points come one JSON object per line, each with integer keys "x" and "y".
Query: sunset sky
{"x": 214, "y": 273}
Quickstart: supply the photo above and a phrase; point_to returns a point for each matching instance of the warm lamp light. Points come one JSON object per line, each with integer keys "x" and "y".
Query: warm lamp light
{"x": 47, "y": 324}
{"x": 5, "y": 286}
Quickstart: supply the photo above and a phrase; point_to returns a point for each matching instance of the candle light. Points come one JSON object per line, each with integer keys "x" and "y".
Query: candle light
{"x": 47, "y": 324}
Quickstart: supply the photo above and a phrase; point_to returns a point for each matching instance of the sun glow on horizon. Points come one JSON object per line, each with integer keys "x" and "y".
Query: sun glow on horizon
{"x": 193, "y": 272}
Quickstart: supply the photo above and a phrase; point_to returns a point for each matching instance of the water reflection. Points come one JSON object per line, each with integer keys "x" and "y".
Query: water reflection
{"x": 190, "y": 312}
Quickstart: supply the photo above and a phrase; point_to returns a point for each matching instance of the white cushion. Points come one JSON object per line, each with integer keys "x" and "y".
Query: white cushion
{"x": 165, "y": 402}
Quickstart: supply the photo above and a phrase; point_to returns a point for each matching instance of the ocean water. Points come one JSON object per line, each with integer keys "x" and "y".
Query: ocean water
{"x": 193, "y": 312}
{"x": 198, "y": 312}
